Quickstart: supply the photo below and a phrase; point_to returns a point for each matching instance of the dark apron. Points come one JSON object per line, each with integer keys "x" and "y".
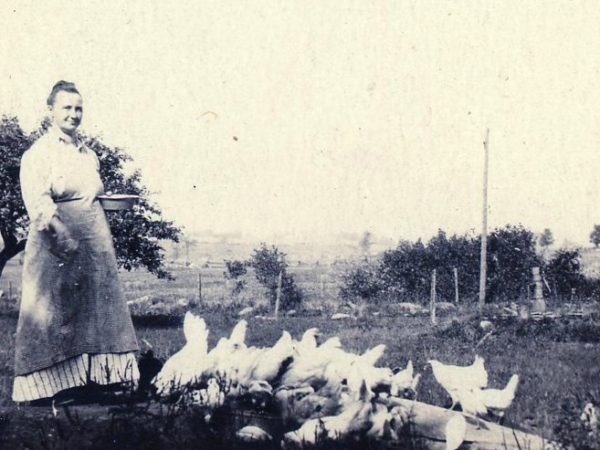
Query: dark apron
{"x": 74, "y": 306}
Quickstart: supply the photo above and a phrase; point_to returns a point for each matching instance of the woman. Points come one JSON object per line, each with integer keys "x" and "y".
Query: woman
{"x": 74, "y": 326}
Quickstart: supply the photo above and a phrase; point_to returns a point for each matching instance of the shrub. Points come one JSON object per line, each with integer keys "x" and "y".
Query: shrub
{"x": 235, "y": 270}
{"x": 361, "y": 282}
{"x": 268, "y": 263}
{"x": 564, "y": 272}
{"x": 404, "y": 273}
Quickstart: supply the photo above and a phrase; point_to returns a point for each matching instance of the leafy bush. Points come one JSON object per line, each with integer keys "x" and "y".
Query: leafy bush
{"x": 564, "y": 272}
{"x": 235, "y": 270}
{"x": 268, "y": 263}
{"x": 362, "y": 281}
{"x": 404, "y": 273}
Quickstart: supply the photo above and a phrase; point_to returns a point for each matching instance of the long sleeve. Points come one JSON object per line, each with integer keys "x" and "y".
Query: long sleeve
{"x": 36, "y": 188}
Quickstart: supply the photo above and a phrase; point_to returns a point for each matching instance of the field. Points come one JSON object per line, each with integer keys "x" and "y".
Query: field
{"x": 319, "y": 283}
{"x": 557, "y": 361}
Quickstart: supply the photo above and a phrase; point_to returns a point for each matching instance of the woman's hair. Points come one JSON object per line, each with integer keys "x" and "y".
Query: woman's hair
{"x": 62, "y": 85}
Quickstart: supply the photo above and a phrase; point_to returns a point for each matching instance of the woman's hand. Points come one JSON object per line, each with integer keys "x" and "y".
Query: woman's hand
{"x": 64, "y": 246}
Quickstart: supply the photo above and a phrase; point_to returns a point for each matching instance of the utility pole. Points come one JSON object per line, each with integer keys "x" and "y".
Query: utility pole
{"x": 483, "y": 268}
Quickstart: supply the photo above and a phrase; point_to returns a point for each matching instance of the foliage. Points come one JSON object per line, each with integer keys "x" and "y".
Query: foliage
{"x": 361, "y": 281}
{"x": 136, "y": 232}
{"x": 511, "y": 256}
{"x": 564, "y": 272}
{"x": 572, "y": 428}
{"x": 546, "y": 238}
{"x": 235, "y": 270}
{"x": 366, "y": 241}
{"x": 595, "y": 236}
{"x": 268, "y": 263}
{"x": 404, "y": 273}
{"x": 13, "y": 217}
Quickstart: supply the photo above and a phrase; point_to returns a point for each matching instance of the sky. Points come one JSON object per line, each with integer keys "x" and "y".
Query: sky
{"x": 307, "y": 119}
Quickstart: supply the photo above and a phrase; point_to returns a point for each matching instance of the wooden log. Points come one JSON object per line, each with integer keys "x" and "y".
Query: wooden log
{"x": 429, "y": 422}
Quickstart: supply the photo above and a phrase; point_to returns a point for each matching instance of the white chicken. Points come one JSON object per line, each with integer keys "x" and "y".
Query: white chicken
{"x": 498, "y": 401}
{"x": 355, "y": 417}
{"x": 260, "y": 392}
{"x": 321, "y": 403}
{"x": 253, "y": 433}
{"x": 221, "y": 360}
{"x": 307, "y": 343}
{"x": 211, "y": 396}
{"x": 460, "y": 378}
{"x": 286, "y": 398}
{"x": 404, "y": 380}
{"x": 589, "y": 417}
{"x": 328, "y": 365}
{"x": 380, "y": 420}
{"x": 186, "y": 365}
{"x": 470, "y": 401}
{"x": 478, "y": 402}
{"x": 271, "y": 359}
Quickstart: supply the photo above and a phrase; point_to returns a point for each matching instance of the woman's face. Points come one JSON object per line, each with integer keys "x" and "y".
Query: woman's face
{"x": 67, "y": 111}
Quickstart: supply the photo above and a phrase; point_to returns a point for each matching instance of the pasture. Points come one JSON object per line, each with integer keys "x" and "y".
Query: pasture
{"x": 556, "y": 360}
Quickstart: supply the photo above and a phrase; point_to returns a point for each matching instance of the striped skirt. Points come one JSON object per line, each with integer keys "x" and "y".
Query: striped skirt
{"x": 105, "y": 368}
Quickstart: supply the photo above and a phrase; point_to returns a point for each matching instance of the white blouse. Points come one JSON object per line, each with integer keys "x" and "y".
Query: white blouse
{"x": 56, "y": 167}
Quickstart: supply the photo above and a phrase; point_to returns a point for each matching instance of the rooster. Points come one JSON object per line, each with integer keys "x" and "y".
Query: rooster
{"x": 460, "y": 378}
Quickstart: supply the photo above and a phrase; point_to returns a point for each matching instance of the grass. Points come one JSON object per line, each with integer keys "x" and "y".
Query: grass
{"x": 553, "y": 372}
{"x": 320, "y": 285}
{"x": 557, "y": 361}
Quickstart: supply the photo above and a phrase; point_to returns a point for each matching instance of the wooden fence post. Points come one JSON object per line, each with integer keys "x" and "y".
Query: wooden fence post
{"x": 278, "y": 298}
{"x": 199, "y": 287}
{"x": 322, "y": 286}
{"x": 433, "y": 295}
{"x": 10, "y": 290}
{"x": 455, "y": 285}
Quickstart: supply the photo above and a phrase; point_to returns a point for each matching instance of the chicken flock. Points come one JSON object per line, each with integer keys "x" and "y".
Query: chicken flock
{"x": 320, "y": 391}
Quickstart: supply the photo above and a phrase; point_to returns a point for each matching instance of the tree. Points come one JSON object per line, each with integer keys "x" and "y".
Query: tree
{"x": 595, "y": 236}
{"x": 13, "y": 217}
{"x": 366, "y": 241}
{"x": 404, "y": 273}
{"x": 511, "y": 256}
{"x": 564, "y": 271}
{"x": 136, "y": 233}
{"x": 546, "y": 238}
{"x": 235, "y": 271}
{"x": 268, "y": 264}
